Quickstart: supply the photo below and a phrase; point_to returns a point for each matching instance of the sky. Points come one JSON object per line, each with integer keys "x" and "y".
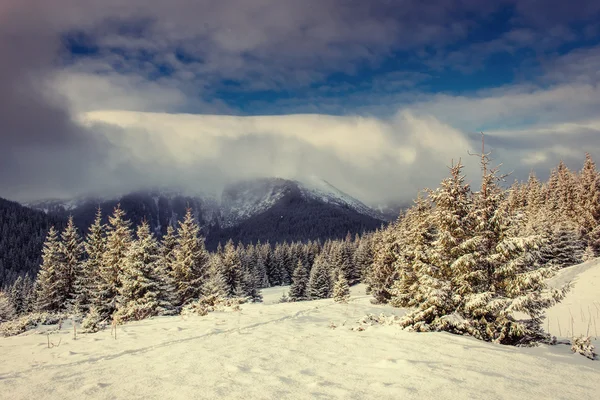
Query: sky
{"x": 377, "y": 97}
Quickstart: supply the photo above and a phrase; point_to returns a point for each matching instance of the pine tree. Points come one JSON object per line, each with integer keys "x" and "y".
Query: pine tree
{"x": 589, "y": 204}
{"x": 383, "y": 272}
{"x": 493, "y": 274}
{"x": 190, "y": 264}
{"x": 341, "y": 290}
{"x": 319, "y": 284}
{"x": 7, "y": 309}
{"x": 15, "y": 296}
{"x": 167, "y": 294}
{"x": 566, "y": 246}
{"x": 363, "y": 257}
{"x": 139, "y": 290}
{"x": 118, "y": 241}
{"x": 71, "y": 253}
{"x": 438, "y": 293}
{"x": 215, "y": 286}
{"x": 88, "y": 281}
{"x": 232, "y": 269}
{"x": 414, "y": 240}
{"x": 50, "y": 297}
{"x": 92, "y": 321}
{"x": 262, "y": 280}
{"x": 299, "y": 287}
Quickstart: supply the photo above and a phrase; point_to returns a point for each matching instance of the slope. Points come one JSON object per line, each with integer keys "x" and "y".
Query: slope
{"x": 299, "y": 350}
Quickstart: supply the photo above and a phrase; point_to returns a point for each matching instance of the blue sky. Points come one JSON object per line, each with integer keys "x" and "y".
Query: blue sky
{"x": 368, "y": 92}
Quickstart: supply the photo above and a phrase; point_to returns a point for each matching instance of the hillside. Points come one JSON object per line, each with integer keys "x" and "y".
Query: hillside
{"x": 292, "y": 351}
{"x": 22, "y": 233}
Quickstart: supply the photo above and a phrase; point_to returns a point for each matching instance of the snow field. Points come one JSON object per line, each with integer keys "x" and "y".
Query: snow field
{"x": 287, "y": 351}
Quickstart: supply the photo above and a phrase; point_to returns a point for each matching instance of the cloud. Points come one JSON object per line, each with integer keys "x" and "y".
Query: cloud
{"x": 109, "y": 96}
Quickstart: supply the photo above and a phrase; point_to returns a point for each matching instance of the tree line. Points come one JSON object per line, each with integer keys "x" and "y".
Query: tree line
{"x": 115, "y": 273}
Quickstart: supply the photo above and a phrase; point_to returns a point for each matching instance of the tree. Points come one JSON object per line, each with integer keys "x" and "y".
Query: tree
{"x": 88, "y": 280}
{"x": 167, "y": 294}
{"x": 118, "y": 241}
{"x": 71, "y": 253}
{"x": 50, "y": 297}
{"x": 415, "y": 236}
{"x": 190, "y": 264}
{"x": 232, "y": 269}
{"x": 438, "y": 293}
{"x": 299, "y": 287}
{"x": 589, "y": 204}
{"x": 139, "y": 292}
{"x": 7, "y": 310}
{"x": 215, "y": 286}
{"x": 319, "y": 284}
{"x": 383, "y": 273}
{"x": 341, "y": 290}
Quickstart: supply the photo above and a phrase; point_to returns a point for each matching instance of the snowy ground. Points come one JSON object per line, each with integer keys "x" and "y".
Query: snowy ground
{"x": 289, "y": 351}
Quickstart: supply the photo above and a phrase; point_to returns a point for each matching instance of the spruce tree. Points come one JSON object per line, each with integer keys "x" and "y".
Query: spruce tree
{"x": 118, "y": 241}
{"x": 215, "y": 287}
{"x": 7, "y": 309}
{"x": 50, "y": 297}
{"x": 139, "y": 290}
{"x": 341, "y": 290}
{"x": 414, "y": 241}
{"x": 190, "y": 264}
{"x": 438, "y": 293}
{"x": 589, "y": 205}
{"x": 383, "y": 273}
{"x": 71, "y": 253}
{"x": 232, "y": 269}
{"x": 167, "y": 295}
{"x": 88, "y": 281}
{"x": 319, "y": 284}
{"x": 299, "y": 287}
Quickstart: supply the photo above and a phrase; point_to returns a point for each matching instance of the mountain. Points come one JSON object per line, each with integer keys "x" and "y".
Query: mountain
{"x": 22, "y": 234}
{"x": 283, "y": 210}
{"x": 264, "y": 209}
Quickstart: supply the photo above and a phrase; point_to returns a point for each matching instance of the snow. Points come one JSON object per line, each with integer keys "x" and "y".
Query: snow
{"x": 292, "y": 351}
{"x": 320, "y": 189}
{"x": 579, "y": 312}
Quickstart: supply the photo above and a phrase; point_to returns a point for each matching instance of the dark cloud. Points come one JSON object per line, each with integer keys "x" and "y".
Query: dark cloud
{"x": 179, "y": 56}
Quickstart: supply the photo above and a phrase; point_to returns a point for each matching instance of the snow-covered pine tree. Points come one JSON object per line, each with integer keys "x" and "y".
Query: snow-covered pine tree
{"x": 215, "y": 287}
{"x": 262, "y": 280}
{"x": 232, "y": 269}
{"x": 7, "y": 309}
{"x": 415, "y": 237}
{"x": 492, "y": 278}
{"x": 319, "y": 283}
{"x": 190, "y": 264}
{"x": 87, "y": 282}
{"x": 16, "y": 296}
{"x": 167, "y": 294}
{"x": 363, "y": 257}
{"x": 299, "y": 287}
{"x": 71, "y": 253}
{"x": 92, "y": 321}
{"x": 566, "y": 246}
{"x": 50, "y": 297}
{"x": 589, "y": 204}
{"x": 341, "y": 290}
{"x": 383, "y": 273}
{"x": 439, "y": 289}
{"x": 341, "y": 260}
{"x": 118, "y": 241}
{"x": 139, "y": 290}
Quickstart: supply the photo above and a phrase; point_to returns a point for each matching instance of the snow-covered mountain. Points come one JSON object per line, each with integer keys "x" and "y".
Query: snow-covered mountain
{"x": 246, "y": 199}
{"x": 280, "y": 209}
